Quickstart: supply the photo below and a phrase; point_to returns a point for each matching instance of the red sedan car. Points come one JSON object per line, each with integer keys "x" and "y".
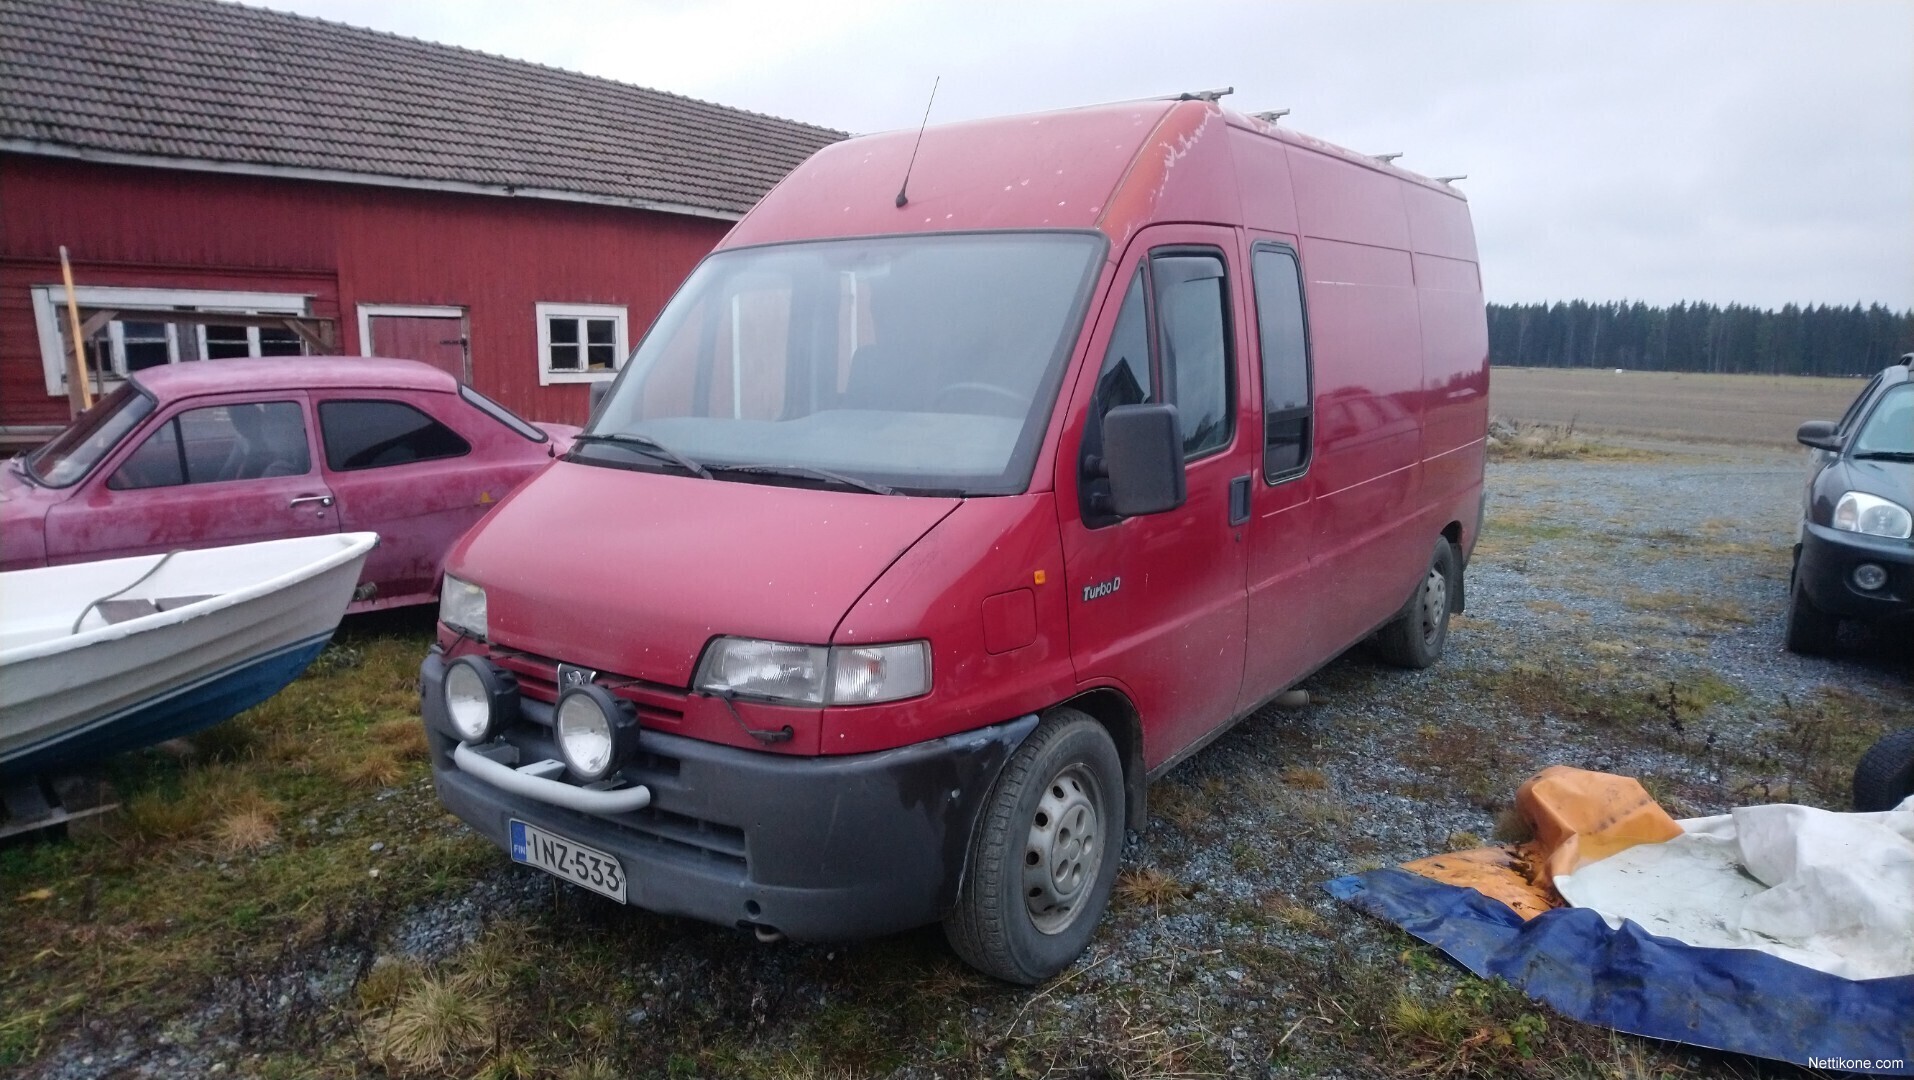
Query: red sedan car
{"x": 227, "y": 452}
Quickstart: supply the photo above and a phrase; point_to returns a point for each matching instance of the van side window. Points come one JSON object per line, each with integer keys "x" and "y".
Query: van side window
{"x": 1285, "y": 347}
{"x": 1192, "y": 307}
{"x": 1124, "y": 379}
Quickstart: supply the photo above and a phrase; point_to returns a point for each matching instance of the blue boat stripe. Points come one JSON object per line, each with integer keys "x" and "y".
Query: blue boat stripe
{"x": 55, "y": 741}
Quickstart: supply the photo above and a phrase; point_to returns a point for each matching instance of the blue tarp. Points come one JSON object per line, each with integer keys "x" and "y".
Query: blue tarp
{"x": 1738, "y": 1000}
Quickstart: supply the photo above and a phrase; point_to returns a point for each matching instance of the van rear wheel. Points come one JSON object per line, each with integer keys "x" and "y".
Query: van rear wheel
{"x": 1045, "y": 853}
{"x": 1416, "y": 637}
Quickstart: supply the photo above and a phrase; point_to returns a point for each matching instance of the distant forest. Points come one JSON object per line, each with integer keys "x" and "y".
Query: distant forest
{"x": 1819, "y": 340}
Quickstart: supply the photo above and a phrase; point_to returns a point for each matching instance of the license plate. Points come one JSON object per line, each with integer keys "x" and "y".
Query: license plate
{"x": 568, "y": 859}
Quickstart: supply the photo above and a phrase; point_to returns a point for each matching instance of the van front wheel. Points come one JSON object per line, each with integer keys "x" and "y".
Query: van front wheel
{"x": 1045, "y": 854}
{"x": 1416, "y": 637}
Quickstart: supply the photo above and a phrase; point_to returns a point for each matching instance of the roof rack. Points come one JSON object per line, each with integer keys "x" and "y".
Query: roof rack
{"x": 1205, "y": 95}
{"x": 1271, "y": 116}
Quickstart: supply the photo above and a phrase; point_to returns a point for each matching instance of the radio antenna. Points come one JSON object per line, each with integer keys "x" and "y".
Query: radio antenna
{"x": 902, "y": 198}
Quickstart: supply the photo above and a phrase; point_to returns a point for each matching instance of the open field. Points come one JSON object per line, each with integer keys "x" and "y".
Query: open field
{"x": 284, "y": 898}
{"x": 1753, "y": 409}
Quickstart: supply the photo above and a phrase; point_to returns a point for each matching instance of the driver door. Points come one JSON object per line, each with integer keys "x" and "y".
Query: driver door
{"x": 1158, "y": 604}
{"x": 203, "y": 473}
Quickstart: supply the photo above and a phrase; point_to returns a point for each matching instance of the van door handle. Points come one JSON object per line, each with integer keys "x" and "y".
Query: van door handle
{"x": 1239, "y": 499}
{"x": 322, "y": 500}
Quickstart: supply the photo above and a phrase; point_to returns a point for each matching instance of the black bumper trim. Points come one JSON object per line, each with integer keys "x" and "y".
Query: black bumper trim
{"x": 832, "y": 847}
{"x": 1828, "y": 556}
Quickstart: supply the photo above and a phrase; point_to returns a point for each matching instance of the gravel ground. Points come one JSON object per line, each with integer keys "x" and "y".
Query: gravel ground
{"x": 1597, "y": 582}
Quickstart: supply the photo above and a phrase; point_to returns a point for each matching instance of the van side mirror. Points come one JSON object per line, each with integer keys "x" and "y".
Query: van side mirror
{"x": 1143, "y": 451}
{"x": 599, "y": 392}
{"x": 1818, "y": 434}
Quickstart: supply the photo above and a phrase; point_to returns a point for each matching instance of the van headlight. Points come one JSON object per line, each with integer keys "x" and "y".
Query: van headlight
{"x": 479, "y": 699}
{"x": 814, "y": 674}
{"x": 462, "y": 606}
{"x": 1863, "y": 513}
{"x": 596, "y": 732}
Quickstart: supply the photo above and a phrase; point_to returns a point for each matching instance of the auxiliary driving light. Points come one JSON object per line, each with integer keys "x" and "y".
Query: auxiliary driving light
{"x": 1869, "y": 577}
{"x": 596, "y": 731}
{"x": 479, "y": 699}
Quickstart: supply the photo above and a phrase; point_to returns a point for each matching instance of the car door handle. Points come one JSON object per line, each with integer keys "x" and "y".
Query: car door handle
{"x": 322, "y": 500}
{"x": 1239, "y": 499}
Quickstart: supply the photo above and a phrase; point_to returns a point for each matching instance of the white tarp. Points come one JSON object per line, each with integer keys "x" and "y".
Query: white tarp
{"x": 1834, "y": 892}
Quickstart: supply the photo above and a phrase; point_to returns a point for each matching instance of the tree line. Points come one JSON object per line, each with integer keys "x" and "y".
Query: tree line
{"x": 1795, "y": 340}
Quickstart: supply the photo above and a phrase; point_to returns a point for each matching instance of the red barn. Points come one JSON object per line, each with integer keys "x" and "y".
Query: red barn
{"x": 334, "y": 189}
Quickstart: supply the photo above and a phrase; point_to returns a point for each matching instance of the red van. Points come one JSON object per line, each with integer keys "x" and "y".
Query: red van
{"x": 947, "y": 504}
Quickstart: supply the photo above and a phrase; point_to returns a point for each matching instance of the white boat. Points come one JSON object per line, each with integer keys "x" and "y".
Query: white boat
{"x": 106, "y": 656}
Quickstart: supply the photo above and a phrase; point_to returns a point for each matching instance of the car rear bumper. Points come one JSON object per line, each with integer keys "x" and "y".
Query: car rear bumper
{"x": 1825, "y": 571}
{"x": 812, "y": 847}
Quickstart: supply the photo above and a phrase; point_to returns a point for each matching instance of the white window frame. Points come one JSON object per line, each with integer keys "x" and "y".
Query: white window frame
{"x": 407, "y": 311}
{"x": 548, "y": 311}
{"x": 49, "y": 316}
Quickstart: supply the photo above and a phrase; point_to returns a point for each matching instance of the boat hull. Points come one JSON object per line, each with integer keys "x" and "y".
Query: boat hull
{"x": 194, "y": 707}
{"x": 170, "y": 674}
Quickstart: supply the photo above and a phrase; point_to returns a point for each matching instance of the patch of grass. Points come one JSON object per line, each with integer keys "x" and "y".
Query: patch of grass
{"x": 1608, "y": 695}
{"x": 1708, "y": 612}
{"x": 1304, "y": 778}
{"x": 229, "y": 858}
{"x": 1179, "y": 805}
{"x": 248, "y": 825}
{"x": 1151, "y": 888}
{"x": 1807, "y": 753}
{"x": 1516, "y": 440}
{"x": 1287, "y": 911}
{"x": 433, "y": 1025}
{"x": 390, "y": 979}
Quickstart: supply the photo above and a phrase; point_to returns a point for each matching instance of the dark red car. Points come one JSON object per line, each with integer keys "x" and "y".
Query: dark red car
{"x": 200, "y": 455}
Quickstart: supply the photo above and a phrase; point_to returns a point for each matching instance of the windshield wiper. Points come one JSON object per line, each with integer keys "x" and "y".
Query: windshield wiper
{"x": 810, "y": 472}
{"x": 1883, "y": 455}
{"x": 647, "y": 443}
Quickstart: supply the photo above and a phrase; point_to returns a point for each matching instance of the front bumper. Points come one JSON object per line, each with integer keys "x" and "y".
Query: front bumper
{"x": 1827, "y": 561}
{"x": 815, "y": 848}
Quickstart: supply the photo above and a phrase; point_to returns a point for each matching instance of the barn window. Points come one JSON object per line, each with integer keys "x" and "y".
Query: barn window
{"x": 580, "y": 342}
{"x": 131, "y": 343}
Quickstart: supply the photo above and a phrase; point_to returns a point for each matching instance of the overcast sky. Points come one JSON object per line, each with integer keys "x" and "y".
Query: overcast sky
{"x": 1751, "y": 152}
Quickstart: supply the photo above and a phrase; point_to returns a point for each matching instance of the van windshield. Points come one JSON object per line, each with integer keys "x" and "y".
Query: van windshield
{"x": 918, "y": 363}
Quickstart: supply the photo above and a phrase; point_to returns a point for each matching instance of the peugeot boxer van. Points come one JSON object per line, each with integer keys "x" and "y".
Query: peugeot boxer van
{"x": 949, "y": 502}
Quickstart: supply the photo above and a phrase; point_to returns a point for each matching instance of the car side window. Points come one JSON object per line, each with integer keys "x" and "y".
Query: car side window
{"x": 1854, "y": 407}
{"x": 1280, "y": 328}
{"x": 1192, "y": 306}
{"x": 378, "y": 434}
{"x": 219, "y": 443}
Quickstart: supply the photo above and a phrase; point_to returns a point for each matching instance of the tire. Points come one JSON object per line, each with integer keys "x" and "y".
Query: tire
{"x": 1032, "y": 896}
{"x": 1811, "y": 631}
{"x": 1885, "y": 775}
{"x": 1415, "y": 638}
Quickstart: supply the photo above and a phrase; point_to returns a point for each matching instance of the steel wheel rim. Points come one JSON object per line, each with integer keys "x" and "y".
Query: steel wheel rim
{"x": 1434, "y": 603}
{"x": 1064, "y": 850}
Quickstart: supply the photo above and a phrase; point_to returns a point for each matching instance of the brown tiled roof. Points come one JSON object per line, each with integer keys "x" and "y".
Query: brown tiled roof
{"x": 208, "y": 81}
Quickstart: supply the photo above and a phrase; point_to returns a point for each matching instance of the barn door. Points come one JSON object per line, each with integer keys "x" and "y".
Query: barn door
{"x": 435, "y": 335}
